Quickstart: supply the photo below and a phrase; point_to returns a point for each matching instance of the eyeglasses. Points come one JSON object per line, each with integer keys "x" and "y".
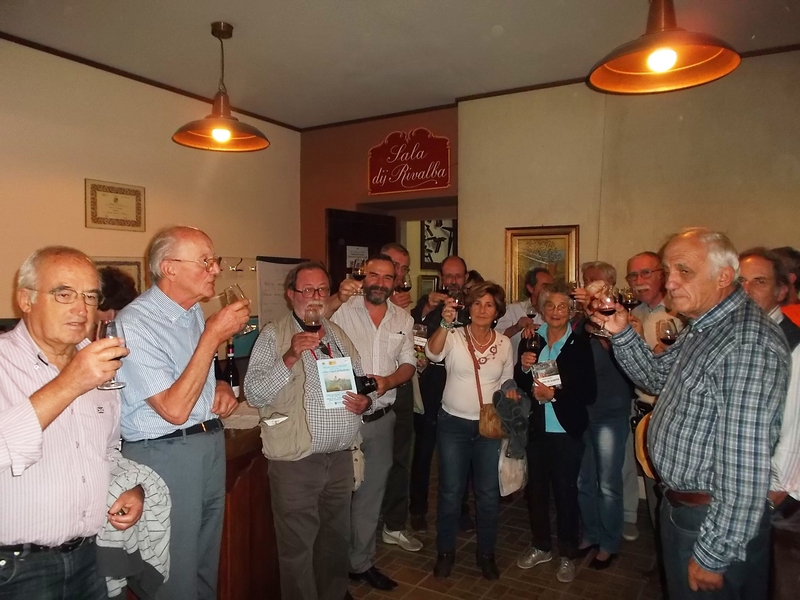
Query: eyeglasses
{"x": 206, "y": 263}
{"x": 549, "y": 306}
{"x": 644, "y": 274}
{"x": 401, "y": 268}
{"x": 65, "y": 295}
{"x": 322, "y": 292}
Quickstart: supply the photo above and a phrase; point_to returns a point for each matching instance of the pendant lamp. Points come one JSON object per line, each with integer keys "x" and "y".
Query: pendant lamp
{"x": 220, "y": 131}
{"x": 665, "y": 58}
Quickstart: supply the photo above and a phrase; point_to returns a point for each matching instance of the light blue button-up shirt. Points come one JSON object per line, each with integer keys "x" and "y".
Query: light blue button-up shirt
{"x": 162, "y": 338}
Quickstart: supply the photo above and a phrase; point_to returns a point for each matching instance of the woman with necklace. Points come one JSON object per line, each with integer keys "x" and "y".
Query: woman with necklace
{"x": 476, "y": 347}
{"x": 557, "y": 423}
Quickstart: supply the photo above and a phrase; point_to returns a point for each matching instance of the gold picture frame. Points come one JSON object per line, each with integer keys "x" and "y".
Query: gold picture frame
{"x": 114, "y": 206}
{"x": 131, "y": 266}
{"x": 555, "y": 248}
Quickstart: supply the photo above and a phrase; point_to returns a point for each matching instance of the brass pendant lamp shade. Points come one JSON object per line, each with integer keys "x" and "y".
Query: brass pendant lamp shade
{"x": 664, "y": 59}
{"x": 220, "y": 131}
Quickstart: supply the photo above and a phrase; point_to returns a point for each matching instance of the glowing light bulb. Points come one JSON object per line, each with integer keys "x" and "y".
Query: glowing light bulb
{"x": 221, "y": 135}
{"x": 662, "y": 60}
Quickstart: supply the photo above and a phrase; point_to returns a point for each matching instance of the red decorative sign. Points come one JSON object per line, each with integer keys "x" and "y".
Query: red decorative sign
{"x": 408, "y": 162}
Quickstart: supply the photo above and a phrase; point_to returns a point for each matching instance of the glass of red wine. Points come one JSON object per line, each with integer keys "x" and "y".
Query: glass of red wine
{"x": 628, "y": 299}
{"x": 667, "y": 331}
{"x": 312, "y": 322}
{"x": 405, "y": 284}
{"x": 606, "y": 304}
{"x": 532, "y": 344}
{"x": 359, "y": 273}
{"x": 455, "y": 293}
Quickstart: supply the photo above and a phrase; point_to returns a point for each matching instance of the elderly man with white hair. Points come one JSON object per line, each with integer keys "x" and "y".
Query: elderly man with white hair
{"x": 171, "y": 405}
{"x": 721, "y": 388}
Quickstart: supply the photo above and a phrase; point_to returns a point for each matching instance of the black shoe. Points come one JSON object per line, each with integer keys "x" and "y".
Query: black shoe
{"x": 600, "y": 565}
{"x": 375, "y": 578}
{"x": 347, "y": 596}
{"x": 488, "y": 566}
{"x": 466, "y": 523}
{"x": 444, "y": 565}
{"x": 583, "y": 552}
{"x": 419, "y": 523}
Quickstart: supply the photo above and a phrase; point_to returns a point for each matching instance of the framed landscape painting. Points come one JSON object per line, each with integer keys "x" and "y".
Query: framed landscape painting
{"x": 554, "y": 248}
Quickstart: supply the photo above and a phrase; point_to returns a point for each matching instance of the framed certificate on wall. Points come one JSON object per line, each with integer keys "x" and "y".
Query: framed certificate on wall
{"x": 114, "y": 206}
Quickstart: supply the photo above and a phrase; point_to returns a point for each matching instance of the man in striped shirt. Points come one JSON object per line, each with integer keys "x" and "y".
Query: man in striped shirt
{"x": 721, "y": 389}
{"x": 172, "y": 404}
{"x": 59, "y": 434}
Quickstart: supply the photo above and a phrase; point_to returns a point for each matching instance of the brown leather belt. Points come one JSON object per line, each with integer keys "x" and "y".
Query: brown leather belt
{"x": 687, "y": 498}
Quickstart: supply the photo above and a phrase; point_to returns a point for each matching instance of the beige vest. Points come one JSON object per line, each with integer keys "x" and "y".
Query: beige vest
{"x": 291, "y": 439}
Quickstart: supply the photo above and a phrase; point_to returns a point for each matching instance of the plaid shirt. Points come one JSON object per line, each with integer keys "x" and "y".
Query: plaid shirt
{"x": 331, "y": 429}
{"x": 721, "y": 389}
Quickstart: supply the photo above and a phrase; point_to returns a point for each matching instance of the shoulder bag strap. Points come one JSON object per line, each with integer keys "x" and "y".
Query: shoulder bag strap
{"x": 475, "y": 366}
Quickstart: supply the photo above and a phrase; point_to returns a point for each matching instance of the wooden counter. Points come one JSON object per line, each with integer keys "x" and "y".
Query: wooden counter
{"x": 249, "y": 557}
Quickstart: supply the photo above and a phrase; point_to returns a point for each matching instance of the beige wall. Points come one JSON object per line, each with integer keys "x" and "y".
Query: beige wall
{"x": 630, "y": 170}
{"x": 62, "y": 122}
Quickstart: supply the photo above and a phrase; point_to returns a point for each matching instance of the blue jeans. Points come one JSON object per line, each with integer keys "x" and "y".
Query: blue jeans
{"x": 600, "y": 483}
{"x": 748, "y": 580}
{"x": 461, "y": 449}
{"x": 52, "y": 575}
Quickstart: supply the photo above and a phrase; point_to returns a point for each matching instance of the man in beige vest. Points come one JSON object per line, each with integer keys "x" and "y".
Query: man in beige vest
{"x": 307, "y": 444}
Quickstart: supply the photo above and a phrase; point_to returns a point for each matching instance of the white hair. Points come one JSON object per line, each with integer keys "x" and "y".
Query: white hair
{"x": 28, "y": 274}
{"x": 550, "y": 290}
{"x": 721, "y": 251}
{"x": 164, "y": 243}
{"x": 608, "y": 271}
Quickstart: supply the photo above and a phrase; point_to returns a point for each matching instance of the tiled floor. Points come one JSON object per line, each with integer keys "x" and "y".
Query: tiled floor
{"x": 413, "y": 571}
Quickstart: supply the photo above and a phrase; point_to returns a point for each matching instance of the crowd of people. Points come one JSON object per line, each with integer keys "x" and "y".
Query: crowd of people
{"x": 722, "y": 390}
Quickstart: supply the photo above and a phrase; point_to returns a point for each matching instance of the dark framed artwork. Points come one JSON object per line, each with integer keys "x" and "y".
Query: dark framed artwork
{"x": 438, "y": 240}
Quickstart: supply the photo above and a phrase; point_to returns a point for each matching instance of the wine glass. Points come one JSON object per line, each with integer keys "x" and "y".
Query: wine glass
{"x": 312, "y": 322}
{"x": 605, "y": 304}
{"x": 573, "y": 309}
{"x": 233, "y": 293}
{"x": 405, "y": 284}
{"x": 571, "y": 287}
{"x": 454, "y": 292}
{"x": 628, "y": 299}
{"x": 532, "y": 344}
{"x": 110, "y": 329}
{"x": 530, "y": 310}
{"x": 667, "y": 331}
{"x": 359, "y": 273}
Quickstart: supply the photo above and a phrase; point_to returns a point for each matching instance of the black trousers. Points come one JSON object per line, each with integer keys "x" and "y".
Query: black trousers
{"x": 431, "y": 385}
{"x": 554, "y": 461}
{"x": 395, "y": 498}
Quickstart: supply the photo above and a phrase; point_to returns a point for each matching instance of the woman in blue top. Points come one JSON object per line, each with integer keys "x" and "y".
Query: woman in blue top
{"x": 557, "y": 424}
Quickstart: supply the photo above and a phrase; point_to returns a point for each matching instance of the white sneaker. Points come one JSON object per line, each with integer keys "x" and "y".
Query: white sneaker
{"x": 532, "y": 557}
{"x": 401, "y": 538}
{"x": 630, "y": 532}
{"x": 566, "y": 570}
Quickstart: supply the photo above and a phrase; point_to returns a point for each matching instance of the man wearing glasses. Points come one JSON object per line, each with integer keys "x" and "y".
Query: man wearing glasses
{"x": 59, "y": 434}
{"x": 307, "y": 444}
{"x": 172, "y": 404}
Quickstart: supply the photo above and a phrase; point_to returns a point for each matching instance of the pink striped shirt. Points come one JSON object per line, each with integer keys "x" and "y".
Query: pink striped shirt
{"x": 53, "y": 483}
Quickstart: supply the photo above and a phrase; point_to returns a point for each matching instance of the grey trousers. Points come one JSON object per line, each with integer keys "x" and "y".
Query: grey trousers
{"x": 365, "y": 512}
{"x": 630, "y": 483}
{"x": 311, "y": 508}
{"x": 193, "y": 468}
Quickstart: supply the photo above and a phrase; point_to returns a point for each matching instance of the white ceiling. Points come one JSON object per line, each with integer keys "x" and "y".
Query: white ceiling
{"x": 312, "y": 62}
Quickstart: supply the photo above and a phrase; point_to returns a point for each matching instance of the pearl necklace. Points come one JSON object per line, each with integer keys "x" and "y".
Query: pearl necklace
{"x": 481, "y": 347}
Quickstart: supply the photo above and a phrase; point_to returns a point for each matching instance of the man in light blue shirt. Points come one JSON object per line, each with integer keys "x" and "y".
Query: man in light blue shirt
{"x": 171, "y": 403}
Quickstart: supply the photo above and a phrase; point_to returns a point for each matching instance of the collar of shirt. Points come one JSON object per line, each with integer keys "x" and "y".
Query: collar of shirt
{"x": 171, "y": 309}
{"x": 720, "y": 311}
{"x": 776, "y": 314}
{"x": 23, "y": 337}
{"x": 552, "y": 352}
{"x": 360, "y": 304}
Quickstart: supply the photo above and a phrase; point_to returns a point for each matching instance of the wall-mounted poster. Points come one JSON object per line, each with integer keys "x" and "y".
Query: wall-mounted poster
{"x": 554, "y": 248}
{"x": 438, "y": 240}
{"x": 114, "y": 206}
{"x": 131, "y": 266}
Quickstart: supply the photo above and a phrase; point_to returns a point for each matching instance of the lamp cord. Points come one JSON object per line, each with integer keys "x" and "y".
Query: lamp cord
{"x": 222, "y": 87}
